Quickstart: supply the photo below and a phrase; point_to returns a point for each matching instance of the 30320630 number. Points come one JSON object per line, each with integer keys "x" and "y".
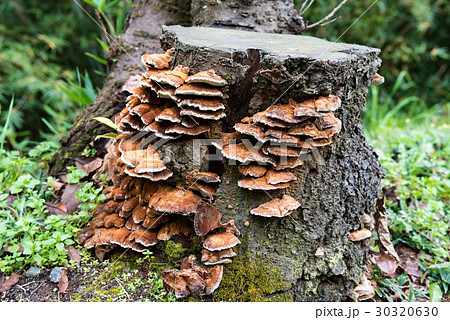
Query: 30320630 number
{"x": 406, "y": 311}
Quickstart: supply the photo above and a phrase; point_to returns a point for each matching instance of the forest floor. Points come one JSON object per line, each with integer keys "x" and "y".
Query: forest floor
{"x": 122, "y": 277}
{"x": 130, "y": 277}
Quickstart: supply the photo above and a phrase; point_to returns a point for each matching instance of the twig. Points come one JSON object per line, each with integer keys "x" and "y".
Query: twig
{"x": 302, "y": 11}
{"x": 128, "y": 296}
{"x": 35, "y": 289}
{"x": 328, "y": 22}
{"x": 22, "y": 288}
{"x": 26, "y": 284}
{"x": 320, "y": 22}
{"x": 104, "y": 28}
{"x": 301, "y": 8}
{"x": 54, "y": 207}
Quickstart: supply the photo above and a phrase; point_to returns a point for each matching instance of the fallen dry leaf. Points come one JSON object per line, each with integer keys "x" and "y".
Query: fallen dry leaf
{"x": 100, "y": 253}
{"x": 56, "y": 209}
{"x": 10, "y": 199}
{"x": 408, "y": 261}
{"x": 388, "y": 260}
{"x": 74, "y": 254}
{"x": 413, "y": 269}
{"x": 2, "y": 278}
{"x": 57, "y": 185}
{"x": 62, "y": 177}
{"x": 387, "y": 263}
{"x": 11, "y": 282}
{"x": 69, "y": 198}
{"x": 88, "y": 165}
{"x": 63, "y": 283}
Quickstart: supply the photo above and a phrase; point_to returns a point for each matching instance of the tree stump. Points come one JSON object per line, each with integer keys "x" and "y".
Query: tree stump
{"x": 306, "y": 256}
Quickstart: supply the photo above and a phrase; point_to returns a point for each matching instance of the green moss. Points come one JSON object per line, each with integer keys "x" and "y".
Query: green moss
{"x": 128, "y": 277}
{"x": 249, "y": 279}
{"x": 104, "y": 287}
{"x": 281, "y": 297}
{"x": 174, "y": 253}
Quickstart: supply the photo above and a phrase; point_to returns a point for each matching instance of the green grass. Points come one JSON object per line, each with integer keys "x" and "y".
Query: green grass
{"x": 413, "y": 145}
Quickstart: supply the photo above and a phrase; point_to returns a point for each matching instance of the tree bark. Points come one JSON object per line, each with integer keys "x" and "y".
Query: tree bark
{"x": 251, "y": 15}
{"x": 336, "y": 186}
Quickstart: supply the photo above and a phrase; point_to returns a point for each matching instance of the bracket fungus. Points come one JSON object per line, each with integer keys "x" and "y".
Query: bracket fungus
{"x": 205, "y": 183}
{"x": 220, "y": 241}
{"x": 207, "y": 218}
{"x": 192, "y": 279}
{"x": 260, "y": 184}
{"x": 252, "y": 170}
{"x": 210, "y": 258}
{"x": 364, "y": 290}
{"x": 277, "y": 207}
{"x": 199, "y": 90}
{"x": 144, "y": 207}
{"x": 203, "y": 104}
{"x": 174, "y": 78}
{"x": 377, "y": 79}
{"x": 209, "y": 77}
{"x": 158, "y": 60}
{"x": 360, "y": 235}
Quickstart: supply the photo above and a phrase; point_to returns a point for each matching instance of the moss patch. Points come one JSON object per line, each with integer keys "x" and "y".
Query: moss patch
{"x": 248, "y": 279}
{"x": 124, "y": 278}
{"x": 174, "y": 253}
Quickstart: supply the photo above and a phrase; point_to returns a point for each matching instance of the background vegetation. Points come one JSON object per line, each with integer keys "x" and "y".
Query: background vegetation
{"x": 51, "y": 62}
{"x": 412, "y": 36}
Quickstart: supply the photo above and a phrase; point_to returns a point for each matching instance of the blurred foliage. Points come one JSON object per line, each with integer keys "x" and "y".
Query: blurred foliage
{"x": 42, "y": 46}
{"x": 412, "y": 36}
{"x": 412, "y": 143}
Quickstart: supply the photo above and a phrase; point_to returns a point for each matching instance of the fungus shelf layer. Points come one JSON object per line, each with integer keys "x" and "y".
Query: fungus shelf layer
{"x": 143, "y": 206}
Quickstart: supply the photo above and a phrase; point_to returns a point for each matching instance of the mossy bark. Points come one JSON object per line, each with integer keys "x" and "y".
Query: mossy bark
{"x": 336, "y": 185}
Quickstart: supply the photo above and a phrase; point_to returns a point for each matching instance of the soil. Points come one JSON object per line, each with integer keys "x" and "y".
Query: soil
{"x": 118, "y": 279}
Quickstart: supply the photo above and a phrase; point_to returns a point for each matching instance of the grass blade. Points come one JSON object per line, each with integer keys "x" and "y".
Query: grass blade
{"x": 5, "y": 127}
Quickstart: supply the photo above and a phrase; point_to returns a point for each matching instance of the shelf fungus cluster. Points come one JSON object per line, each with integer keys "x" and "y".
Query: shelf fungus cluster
{"x": 147, "y": 204}
{"x": 143, "y": 206}
{"x": 192, "y": 279}
{"x": 170, "y": 103}
{"x": 272, "y": 141}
